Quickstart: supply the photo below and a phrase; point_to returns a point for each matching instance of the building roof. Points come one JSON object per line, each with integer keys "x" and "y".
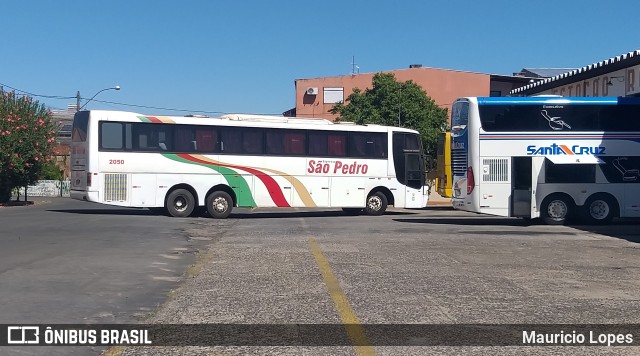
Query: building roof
{"x": 64, "y": 121}
{"x": 589, "y": 71}
{"x": 542, "y": 72}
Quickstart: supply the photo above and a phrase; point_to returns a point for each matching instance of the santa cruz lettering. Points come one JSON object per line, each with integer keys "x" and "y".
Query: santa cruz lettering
{"x": 555, "y": 149}
{"x": 336, "y": 167}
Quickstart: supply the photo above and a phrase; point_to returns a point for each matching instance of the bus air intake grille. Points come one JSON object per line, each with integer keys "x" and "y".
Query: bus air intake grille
{"x": 495, "y": 170}
{"x": 115, "y": 187}
{"x": 459, "y": 162}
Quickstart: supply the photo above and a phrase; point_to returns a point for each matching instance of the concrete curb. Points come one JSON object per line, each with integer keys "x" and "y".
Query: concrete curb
{"x": 439, "y": 203}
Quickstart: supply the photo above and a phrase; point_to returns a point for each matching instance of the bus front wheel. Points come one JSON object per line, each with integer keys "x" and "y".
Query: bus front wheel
{"x": 376, "y": 204}
{"x": 219, "y": 204}
{"x": 556, "y": 209}
{"x": 180, "y": 203}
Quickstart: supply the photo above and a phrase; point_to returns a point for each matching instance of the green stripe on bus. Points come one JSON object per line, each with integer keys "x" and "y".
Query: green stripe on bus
{"x": 233, "y": 178}
{"x": 143, "y": 119}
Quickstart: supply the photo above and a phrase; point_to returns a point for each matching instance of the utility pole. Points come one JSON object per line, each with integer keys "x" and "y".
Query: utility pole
{"x": 78, "y": 101}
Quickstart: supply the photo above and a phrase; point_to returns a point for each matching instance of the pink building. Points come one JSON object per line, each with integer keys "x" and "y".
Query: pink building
{"x": 315, "y": 97}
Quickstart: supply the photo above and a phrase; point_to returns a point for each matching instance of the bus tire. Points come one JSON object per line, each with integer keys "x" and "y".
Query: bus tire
{"x": 219, "y": 205}
{"x": 556, "y": 209}
{"x": 180, "y": 203}
{"x": 376, "y": 204}
{"x": 600, "y": 209}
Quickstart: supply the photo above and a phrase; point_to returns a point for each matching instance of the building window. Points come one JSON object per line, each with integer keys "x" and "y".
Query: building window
{"x": 333, "y": 95}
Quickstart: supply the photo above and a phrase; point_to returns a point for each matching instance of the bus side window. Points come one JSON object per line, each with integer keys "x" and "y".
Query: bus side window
{"x": 285, "y": 142}
{"x": 337, "y": 144}
{"x": 357, "y": 145}
{"x": 111, "y": 136}
{"x": 275, "y": 142}
{"x": 318, "y": 143}
{"x": 206, "y": 139}
{"x": 230, "y": 140}
{"x": 294, "y": 143}
{"x": 142, "y": 142}
{"x": 252, "y": 141}
{"x": 184, "y": 140}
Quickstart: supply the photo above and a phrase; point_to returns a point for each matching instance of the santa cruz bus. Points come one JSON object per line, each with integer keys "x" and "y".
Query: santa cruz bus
{"x": 548, "y": 157}
{"x": 184, "y": 164}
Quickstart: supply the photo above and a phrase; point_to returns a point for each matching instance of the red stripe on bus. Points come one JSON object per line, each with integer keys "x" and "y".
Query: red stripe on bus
{"x": 272, "y": 186}
{"x": 566, "y": 149}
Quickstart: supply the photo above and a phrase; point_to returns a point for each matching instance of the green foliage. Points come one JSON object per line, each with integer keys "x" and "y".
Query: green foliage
{"x": 390, "y": 101}
{"x": 51, "y": 171}
{"x": 27, "y": 137}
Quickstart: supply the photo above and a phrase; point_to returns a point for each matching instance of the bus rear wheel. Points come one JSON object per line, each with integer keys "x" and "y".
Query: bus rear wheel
{"x": 219, "y": 205}
{"x": 180, "y": 203}
{"x": 376, "y": 204}
{"x": 599, "y": 209}
{"x": 556, "y": 209}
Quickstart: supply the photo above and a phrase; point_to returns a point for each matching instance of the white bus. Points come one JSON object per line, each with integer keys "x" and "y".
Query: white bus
{"x": 549, "y": 157}
{"x": 181, "y": 165}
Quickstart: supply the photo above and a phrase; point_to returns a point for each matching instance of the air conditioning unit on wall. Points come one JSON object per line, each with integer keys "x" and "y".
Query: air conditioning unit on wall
{"x": 312, "y": 91}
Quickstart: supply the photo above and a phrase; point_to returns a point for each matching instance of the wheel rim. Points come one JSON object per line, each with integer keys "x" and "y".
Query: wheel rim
{"x": 599, "y": 209}
{"x": 374, "y": 203}
{"x": 557, "y": 209}
{"x": 220, "y": 205}
{"x": 180, "y": 203}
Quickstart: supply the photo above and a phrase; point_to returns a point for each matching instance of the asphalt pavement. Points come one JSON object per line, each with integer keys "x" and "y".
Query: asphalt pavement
{"x": 66, "y": 261}
{"x": 423, "y": 266}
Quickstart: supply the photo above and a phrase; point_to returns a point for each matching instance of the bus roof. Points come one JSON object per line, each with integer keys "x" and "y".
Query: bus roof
{"x": 246, "y": 120}
{"x": 270, "y": 118}
{"x": 555, "y": 100}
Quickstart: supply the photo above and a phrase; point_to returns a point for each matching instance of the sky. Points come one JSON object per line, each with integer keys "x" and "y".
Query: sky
{"x": 243, "y": 56}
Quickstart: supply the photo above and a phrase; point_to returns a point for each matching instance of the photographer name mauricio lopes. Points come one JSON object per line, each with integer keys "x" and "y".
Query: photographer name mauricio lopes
{"x": 575, "y": 338}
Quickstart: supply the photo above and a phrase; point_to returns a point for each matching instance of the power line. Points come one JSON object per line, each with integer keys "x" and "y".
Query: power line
{"x": 159, "y": 108}
{"x": 37, "y": 95}
{"x": 123, "y": 104}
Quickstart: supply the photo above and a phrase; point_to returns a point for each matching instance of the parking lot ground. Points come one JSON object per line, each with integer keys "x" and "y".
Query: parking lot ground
{"x": 428, "y": 266}
{"x": 65, "y": 261}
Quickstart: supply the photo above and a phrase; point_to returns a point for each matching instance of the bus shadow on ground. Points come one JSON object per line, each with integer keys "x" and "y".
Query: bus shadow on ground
{"x": 122, "y": 211}
{"x": 236, "y": 214}
{"x": 468, "y": 221}
{"x": 624, "y": 229}
{"x": 303, "y": 214}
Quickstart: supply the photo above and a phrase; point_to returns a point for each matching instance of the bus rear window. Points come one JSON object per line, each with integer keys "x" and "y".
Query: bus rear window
{"x": 80, "y": 123}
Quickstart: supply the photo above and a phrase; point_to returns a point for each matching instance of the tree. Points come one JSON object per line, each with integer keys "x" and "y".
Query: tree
{"x": 27, "y": 138}
{"x": 394, "y": 103}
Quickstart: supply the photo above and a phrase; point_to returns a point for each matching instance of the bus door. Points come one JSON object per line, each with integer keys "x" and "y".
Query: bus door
{"x": 521, "y": 187}
{"x": 414, "y": 172}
